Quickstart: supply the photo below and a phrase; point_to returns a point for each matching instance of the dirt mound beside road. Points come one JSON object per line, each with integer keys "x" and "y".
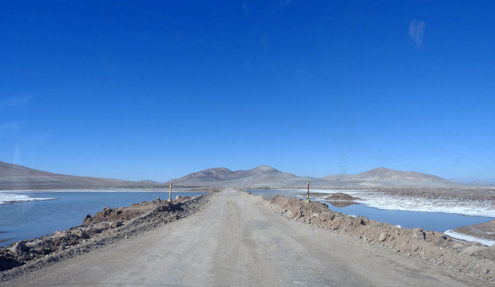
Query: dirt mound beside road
{"x": 133, "y": 211}
{"x": 436, "y": 248}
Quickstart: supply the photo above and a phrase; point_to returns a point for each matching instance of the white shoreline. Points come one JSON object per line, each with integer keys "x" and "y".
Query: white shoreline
{"x": 431, "y": 206}
{"x": 407, "y": 203}
{"x": 462, "y": 236}
{"x": 6, "y": 198}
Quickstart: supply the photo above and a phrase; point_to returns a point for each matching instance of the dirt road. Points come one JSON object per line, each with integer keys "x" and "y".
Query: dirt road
{"x": 233, "y": 242}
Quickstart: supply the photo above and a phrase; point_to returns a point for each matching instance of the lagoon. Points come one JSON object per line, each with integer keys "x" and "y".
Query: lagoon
{"x": 30, "y": 219}
{"x": 433, "y": 221}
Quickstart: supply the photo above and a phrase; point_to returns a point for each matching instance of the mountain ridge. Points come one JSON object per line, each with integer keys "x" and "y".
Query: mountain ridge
{"x": 14, "y": 176}
{"x": 266, "y": 176}
{"x": 382, "y": 173}
{"x": 18, "y": 177}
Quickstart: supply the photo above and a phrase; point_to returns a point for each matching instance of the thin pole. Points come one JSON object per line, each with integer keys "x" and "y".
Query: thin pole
{"x": 307, "y": 199}
{"x": 170, "y": 193}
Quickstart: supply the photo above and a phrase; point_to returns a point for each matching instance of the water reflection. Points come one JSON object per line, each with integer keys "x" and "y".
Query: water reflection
{"x": 341, "y": 203}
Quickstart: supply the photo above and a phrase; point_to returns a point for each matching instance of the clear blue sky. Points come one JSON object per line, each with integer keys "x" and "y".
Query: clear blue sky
{"x": 158, "y": 89}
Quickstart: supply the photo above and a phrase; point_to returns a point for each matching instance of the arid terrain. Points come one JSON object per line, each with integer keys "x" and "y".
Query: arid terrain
{"x": 234, "y": 238}
{"x": 16, "y": 177}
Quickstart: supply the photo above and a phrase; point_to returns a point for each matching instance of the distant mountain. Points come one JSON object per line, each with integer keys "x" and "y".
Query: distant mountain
{"x": 482, "y": 183}
{"x": 388, "y": 177}
{"x": 261, "y": 176}
{"x": 265, "y": 176}
{"x": 8, "y": 169}
{"x": 17, "y": 177}
{"x": 474, "y": 181}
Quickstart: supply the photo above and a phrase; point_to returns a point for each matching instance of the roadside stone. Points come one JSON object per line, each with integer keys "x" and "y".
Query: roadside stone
{"x": 418, "y": 233}
{"x": 383, "y": 237}
{"x": 59, "y": 234}
{"x": 86, "y": 218}
{"x": 81, "y": 234}
{"x": 298, "y": 214}
{"x": 19, "y": 247}
{"x": 61, "y": 247}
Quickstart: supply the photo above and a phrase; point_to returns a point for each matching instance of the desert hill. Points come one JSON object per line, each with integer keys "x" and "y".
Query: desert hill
{"x": 265, "y": 176}
{"x": 389, "y": 177}
{"x": 17, "y": 177}
{"x": 8, "y": 169}
{"x": 261, "y": 176}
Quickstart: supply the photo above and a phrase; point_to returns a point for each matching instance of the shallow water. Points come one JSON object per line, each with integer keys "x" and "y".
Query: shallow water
{"x": 409, "y": 219}
{"x": 30, "y": 219}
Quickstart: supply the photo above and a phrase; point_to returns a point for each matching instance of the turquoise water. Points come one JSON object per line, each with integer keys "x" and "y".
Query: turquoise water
{"x": 427, "y": 220}
{"x": 26, "y": 220}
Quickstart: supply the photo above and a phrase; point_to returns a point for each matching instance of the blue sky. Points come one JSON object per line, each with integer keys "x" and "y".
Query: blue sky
{"x": 156, "y": 90}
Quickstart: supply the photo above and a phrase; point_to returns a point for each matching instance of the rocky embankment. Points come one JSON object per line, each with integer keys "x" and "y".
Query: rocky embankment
{"x": 472, "y": 259}
{"x": 105, "y": 227}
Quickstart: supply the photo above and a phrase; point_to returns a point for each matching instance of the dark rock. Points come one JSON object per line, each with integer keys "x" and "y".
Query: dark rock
{"x": 8, "y": 262}
{"x": 81, "y": 234}
{"x": 115, "y": 224}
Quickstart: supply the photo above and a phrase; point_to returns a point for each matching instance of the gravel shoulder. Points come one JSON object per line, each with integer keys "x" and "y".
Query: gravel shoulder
{"x": 238, "y": 239}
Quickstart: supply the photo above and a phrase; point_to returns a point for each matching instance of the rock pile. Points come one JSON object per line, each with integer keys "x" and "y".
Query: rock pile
{"x": 432, "y": 247}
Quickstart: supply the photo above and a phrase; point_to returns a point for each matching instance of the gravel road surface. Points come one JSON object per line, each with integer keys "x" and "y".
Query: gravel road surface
{"x": 233, "y": 242}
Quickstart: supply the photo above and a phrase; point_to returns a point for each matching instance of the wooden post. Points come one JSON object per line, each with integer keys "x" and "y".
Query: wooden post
{"x": 170, "y": 194}
{"x": 307, "y": 199}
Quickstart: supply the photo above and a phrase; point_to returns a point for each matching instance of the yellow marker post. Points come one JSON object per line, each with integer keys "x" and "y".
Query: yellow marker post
{"x": 170, "y": 194}
{"x": 307, "y": 199}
